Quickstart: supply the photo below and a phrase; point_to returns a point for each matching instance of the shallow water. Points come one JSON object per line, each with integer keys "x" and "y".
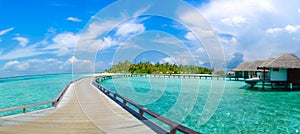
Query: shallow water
{"x": 239, "y": 111}
{"x": 20, "y": 91}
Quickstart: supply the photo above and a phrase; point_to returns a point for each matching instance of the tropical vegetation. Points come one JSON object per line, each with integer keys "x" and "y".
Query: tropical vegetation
{"x": 158, "y": 68}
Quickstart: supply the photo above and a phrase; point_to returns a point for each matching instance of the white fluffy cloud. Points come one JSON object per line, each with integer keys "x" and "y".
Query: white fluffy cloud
{"x": 200, "y": 50}
{"x": 96, "y": 29}
{"x": 249, "y": 21}
{"x": 21, "y": 53}
{"x": 63, "y": 43}
{"x": 168, "y": 60}
{"x": 218, "y": 9}
{"x": 22, "y": 41}
{"x": 182, "y": 57}
{"x": 74, "y": 19}
{"x": 67, "y": 39}
{"x": 234, "y": 21}
{"x": 106, "y": 43}
{"x": 78, "y": 66}
{"x": 32, "y": 66}
{"x": 16, "y": 66}
{"x": 130, "y": 28}
{"x": 292, "y": 29}
{"x": 2, "y": 32}
{"x": 228, "y": 41}
{"x": 289, "y": 28}
{"x": 165, "y": 41}
{"x": 92, "y": 39}
{"x": 190, "y": 36}
{"x": 95, "y": 36}
{"x": 94, "y": 45}
{"x": 273, "y": 30}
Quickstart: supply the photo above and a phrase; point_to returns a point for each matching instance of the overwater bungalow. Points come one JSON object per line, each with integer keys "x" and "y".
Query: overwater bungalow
{"x": 248, "y": 70}
{"x": 284, "y": 70}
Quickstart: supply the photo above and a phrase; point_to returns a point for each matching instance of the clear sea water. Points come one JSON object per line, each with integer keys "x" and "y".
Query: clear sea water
{"x": 20, "y": 91}
{"x": 240, "y": 110}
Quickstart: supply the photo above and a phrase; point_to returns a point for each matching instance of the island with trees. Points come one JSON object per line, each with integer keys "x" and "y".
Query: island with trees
{"x": 158, "y": 68}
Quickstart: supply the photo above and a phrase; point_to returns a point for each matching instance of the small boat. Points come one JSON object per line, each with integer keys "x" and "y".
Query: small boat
{"x": 252, "y": 81}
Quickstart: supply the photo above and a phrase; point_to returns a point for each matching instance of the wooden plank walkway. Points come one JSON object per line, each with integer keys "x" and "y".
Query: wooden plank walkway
{"x": 83, "y": 109}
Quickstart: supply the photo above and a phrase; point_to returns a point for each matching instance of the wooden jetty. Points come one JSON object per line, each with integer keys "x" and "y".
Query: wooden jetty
{"x": 83, "y": 109}
{"x": 190, "y": 76}
{"x": 140, "y": 113}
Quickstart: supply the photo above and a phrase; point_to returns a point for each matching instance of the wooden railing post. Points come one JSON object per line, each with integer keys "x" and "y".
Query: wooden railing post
{"x": 54, "y": 103}
{"x": 173, "y": 130}
{"x": 24, "y": 109}
{"x": 141, "y": 112}
{"x": 115, "y": 97}
{"x": 124, "y": 102}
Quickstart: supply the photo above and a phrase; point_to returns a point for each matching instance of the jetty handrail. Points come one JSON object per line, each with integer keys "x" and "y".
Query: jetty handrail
{"x": 57, "y": 99}
{"x": 173, "y": 125}
{"x": 25, "y": 107}
{"x": 53, "y": 102}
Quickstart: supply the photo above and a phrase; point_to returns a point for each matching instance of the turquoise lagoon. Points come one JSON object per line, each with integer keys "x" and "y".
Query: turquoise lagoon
{"x": 240, "y": 110}
{"x": 20, "y": 91}
{"x": 182, "y": 100}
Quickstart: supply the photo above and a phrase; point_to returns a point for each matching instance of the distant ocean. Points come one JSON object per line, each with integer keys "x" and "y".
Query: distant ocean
{"x": 20, "y": 91}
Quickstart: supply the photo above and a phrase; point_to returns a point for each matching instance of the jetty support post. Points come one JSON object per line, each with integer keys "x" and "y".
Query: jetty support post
{"x": 54, "y": 103}
{"x": 173, "y": 130}
{"x": 24, "y": 110}
{"x": 263, "y": 86}
{"x": 124, "y": 102}
{"x": 141, "y": 112}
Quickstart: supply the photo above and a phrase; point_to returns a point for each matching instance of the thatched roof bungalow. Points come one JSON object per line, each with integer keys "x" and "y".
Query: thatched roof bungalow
{"x": 253, "y": 66}
{"x": 265, "y": 63}
{"x": 285, "y": 67}
{"x": 248, "y": 69}
{"x": 285, "y": 60}
{"x": 241, "y": 67}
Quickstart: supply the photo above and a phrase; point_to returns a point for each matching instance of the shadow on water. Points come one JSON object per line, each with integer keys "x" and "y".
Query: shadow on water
{"x": 269, "y": 89}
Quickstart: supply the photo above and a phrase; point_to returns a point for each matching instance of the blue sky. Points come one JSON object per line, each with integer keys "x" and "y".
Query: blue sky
{"x": 45, "y": 37}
